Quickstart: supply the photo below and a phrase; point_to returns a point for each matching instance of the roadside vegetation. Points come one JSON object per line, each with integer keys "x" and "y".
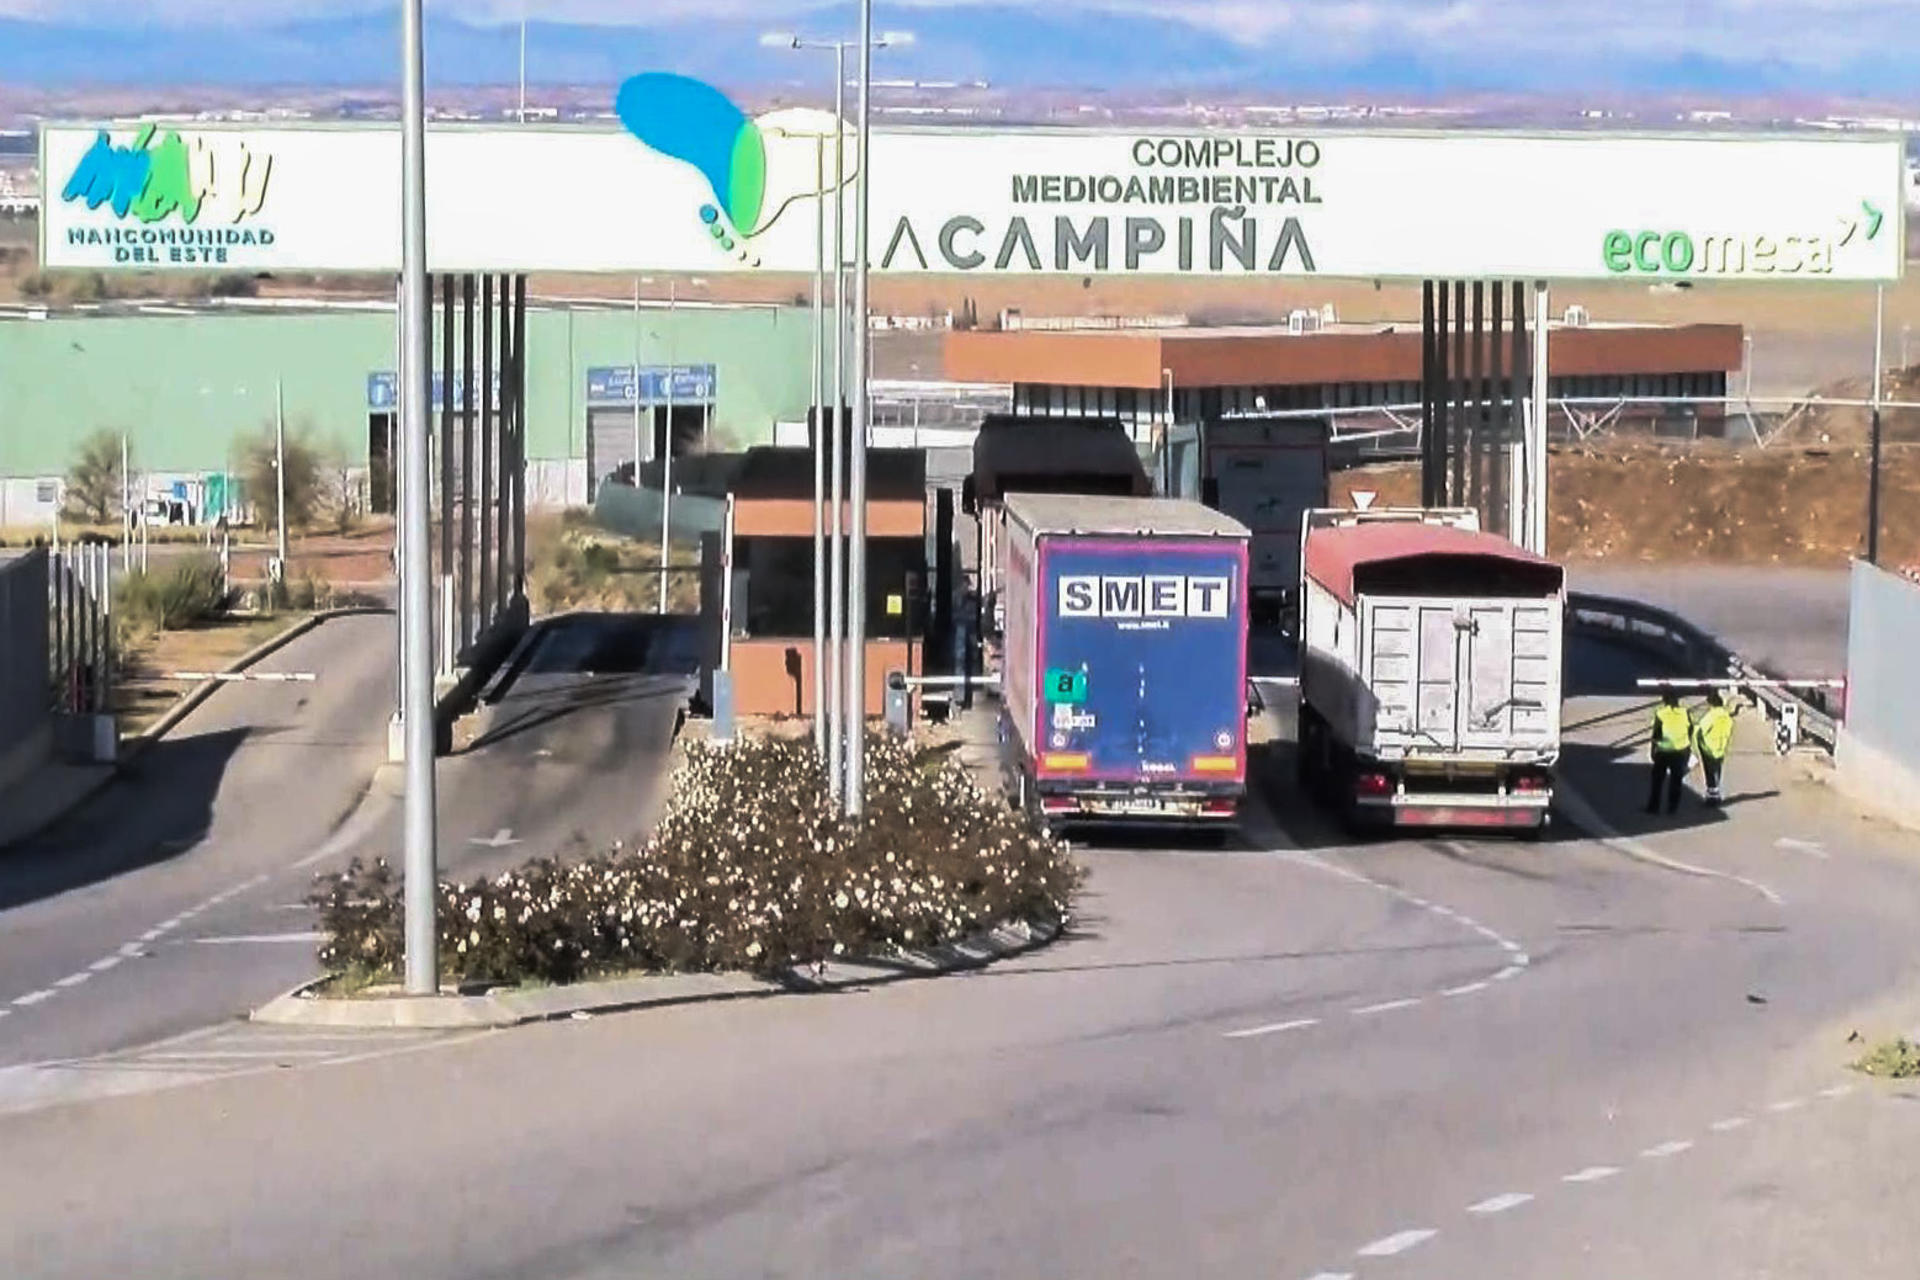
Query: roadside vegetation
{"x": 573, "y": 564}
{"x": 171, "y": 599}
{"x": 1892, "y": 1060}
{"x": 752, "y": 869}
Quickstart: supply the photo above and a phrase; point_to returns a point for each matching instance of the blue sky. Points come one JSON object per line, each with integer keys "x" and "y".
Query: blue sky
{"x": 1830, "y": 44}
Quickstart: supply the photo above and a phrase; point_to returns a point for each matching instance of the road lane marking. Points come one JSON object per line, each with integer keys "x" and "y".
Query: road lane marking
{"x": 1592, "y": 1173}
{"x": 1397, "y": 1243}
{"x": 1511, "y": 971}
{"x": 1331, "y": 1275}
{"x": 1809, "y": 847}
{"x": 1585, "y": 815}
{"x": 1837, "y": 1091}
{"x": 32, "y": 998}
{"x": 133, "y": 951}
{"x": 73, "y": 980}
{"x": 1466, "y": 990}
{"x": 1667, "y": 1149}
{"x": 1386, "y": 1006}
{"x": 238, "y": 1055}
{"x": 1787, "y": 1104}
{"x": 152, "y": 935}
{"x": 1729, "y": 1124}
{"x": 105, "y": 963}
{"x": 240, "y": 939}
{"x": 1273, "y": 1028}
{"x": 1501, "y": 1203}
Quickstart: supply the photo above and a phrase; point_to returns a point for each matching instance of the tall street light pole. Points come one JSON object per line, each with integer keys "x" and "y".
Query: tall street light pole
{"x": 842, "y": 727}
{"x": 416, "y": 676}
{"x": 856, "y": 689}
{"x": 820, "y": 738}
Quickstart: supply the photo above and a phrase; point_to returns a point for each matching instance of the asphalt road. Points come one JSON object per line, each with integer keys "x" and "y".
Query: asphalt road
{"x": 1792, "y": 622}
{"x": 175, "y": 900}
{"x": 1589, "y": 1058}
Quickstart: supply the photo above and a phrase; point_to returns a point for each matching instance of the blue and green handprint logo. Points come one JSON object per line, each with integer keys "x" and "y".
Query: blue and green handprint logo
{"x": 695, "y": 123}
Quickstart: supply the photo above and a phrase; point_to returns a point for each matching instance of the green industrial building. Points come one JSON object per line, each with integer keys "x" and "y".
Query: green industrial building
{"x": 188, "y": 386}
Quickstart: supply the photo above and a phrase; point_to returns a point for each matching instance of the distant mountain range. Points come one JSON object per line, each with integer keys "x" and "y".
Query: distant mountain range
{"x": 1014, "y": 47}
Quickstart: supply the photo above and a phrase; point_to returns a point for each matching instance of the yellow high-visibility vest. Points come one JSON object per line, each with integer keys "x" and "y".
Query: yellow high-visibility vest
{"x": 1672, "y": 730}
{"x": 1714, "y": 734}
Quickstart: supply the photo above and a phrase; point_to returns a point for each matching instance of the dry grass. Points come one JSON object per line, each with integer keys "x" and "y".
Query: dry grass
{"x": 573, "y": 564}
{"x": 1706, "y": 503}
{"x": 143, "y": 693}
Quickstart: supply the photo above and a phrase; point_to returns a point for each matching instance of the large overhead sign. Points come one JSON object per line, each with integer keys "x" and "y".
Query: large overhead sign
{"x": 652, "y": 198}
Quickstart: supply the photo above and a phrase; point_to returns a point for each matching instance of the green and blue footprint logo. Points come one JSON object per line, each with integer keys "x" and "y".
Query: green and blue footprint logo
{"x": 696, "y": 124}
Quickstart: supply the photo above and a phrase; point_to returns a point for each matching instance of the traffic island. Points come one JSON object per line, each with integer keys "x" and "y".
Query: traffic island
{"x": 753, "y": 884}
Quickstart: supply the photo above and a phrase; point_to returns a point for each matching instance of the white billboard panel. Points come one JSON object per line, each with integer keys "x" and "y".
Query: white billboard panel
{"x": 1339, "y": 204}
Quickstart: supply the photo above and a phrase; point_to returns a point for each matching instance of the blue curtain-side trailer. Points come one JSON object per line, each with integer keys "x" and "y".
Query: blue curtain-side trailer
{"x": 1124, "y": 679}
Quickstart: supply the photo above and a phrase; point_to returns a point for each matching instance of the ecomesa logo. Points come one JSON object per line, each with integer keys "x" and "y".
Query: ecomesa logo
{"x": 1170, "y": 596}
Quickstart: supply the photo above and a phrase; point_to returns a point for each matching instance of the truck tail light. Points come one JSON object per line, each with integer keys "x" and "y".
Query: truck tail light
{"x": 1224, "y": 807}
{"x": 1373, "y": 784}
{"x": 1059, "y": 804}
{"x": 1532, "y": 784}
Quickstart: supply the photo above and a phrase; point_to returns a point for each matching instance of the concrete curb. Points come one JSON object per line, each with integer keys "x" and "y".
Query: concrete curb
{"x": 195, "y": 697}
{"x": 301, "y": 1008}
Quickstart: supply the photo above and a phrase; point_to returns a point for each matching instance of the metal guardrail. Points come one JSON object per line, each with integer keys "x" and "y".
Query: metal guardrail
{"x": 1699, "y": 653}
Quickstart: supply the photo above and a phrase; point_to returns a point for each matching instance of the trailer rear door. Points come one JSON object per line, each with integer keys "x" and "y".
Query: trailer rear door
{"x": 1512, "y": 679}
{"x": 1449, "y": 675}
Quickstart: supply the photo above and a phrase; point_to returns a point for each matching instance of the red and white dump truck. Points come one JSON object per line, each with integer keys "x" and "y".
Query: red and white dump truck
{"x": 1430, "y": 671}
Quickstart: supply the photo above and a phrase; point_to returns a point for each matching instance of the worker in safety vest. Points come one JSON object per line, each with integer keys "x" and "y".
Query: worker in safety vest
{"x": 1672, "y": 751}
{"x": 1712, "y": 735}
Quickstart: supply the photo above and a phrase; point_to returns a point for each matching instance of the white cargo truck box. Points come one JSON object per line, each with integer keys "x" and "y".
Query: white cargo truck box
{"x": 1429, "y": 640}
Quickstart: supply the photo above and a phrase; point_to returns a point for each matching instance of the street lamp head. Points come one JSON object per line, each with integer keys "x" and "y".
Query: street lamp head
{"x": 779, "y": 40}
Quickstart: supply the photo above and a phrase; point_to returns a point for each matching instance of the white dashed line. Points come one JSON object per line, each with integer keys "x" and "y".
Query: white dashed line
{"x": 1729, "y": 1124}
{"x": 1273, "y": 1028}
{"x": 246, "y": 938}
{"x": 152, "y": 935}
{"x": 1787, "y": 1104}
{"x": 73, "y": 980}
{"x": 1838, "y": 1091}
{"x": 1518, "y": 959}
{"x": 1331, "y": 1275}
{"x": 1500, "y": 1204}
{"x": 1396, "y": 1244}
{"x": 1667, "y": 1149}
{"x": 1585, "y": 815}
{"x": 32, "y": 998}
{"x": 1592, "y": 1173}
{"x": 132, "y": 951}
{"x": 238, "y": 1055}
{"x": 105, "y": 963}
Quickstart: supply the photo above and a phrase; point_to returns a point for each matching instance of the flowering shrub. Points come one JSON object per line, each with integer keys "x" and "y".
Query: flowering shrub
{"x": 752, "y": 868}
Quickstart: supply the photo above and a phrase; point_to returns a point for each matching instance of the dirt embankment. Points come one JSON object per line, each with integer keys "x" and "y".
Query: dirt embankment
{"x": 1796, "y": 505}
